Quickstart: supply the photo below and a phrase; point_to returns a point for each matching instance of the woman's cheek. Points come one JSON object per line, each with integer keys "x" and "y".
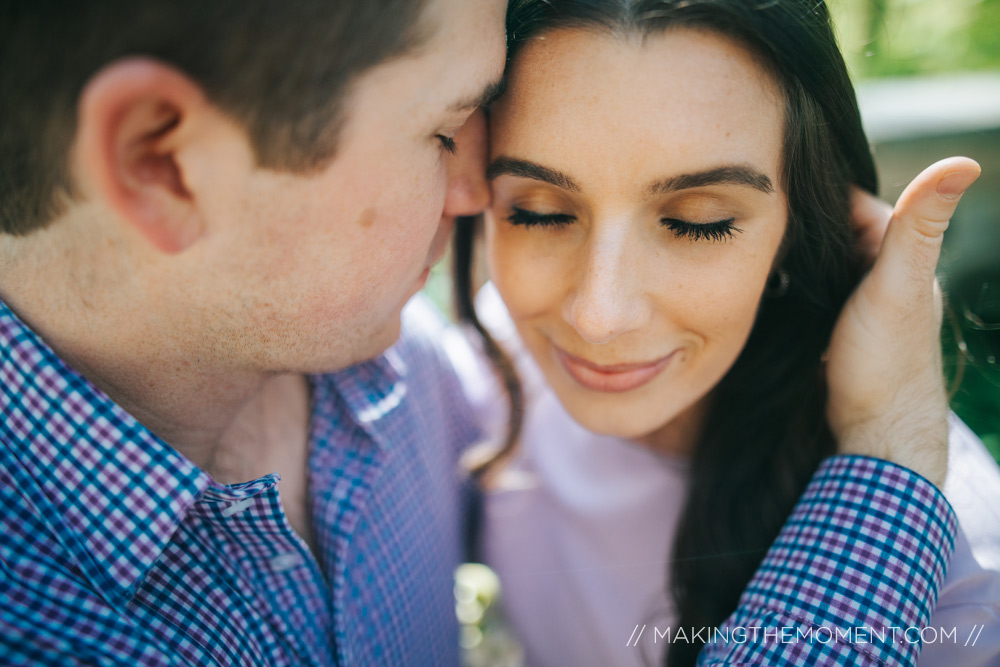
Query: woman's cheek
{"x": 528, "y": 270}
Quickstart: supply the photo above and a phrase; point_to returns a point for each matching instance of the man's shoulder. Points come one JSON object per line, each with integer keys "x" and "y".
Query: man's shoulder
{"x": 49, "y": 613}
{"x": 49, "y": 617}
{"x": 30, "y": 551}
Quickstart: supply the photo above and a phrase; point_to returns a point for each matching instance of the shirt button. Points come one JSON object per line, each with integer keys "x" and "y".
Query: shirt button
{"x": 237, "y": 507}
{"x": 285, "y": 561}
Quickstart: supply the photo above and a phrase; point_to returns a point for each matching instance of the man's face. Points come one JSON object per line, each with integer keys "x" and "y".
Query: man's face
{"x": 313, "y": 270}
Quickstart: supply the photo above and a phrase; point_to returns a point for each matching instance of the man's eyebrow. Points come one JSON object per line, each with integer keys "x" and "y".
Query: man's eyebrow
{"x": 733, "y": 174}
{"x": 525, "y": 169}
{"x": 486, "y": 97}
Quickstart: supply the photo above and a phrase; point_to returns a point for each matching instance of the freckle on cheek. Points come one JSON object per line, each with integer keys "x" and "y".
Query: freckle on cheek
{"x": 366, "y": 218}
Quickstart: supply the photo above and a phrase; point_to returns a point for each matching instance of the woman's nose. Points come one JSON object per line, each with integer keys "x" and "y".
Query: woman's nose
{"x": 609, "y": 298}
{"x": 468, "y": 193}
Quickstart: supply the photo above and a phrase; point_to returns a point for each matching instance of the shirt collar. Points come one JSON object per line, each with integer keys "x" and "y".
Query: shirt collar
{"x": 372, "y": 391}
{"x": 112, "y": 492}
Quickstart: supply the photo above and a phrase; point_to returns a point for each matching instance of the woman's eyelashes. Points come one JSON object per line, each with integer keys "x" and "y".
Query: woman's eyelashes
{"x": 524, "y": 218}
{"x": 720, "y": 230}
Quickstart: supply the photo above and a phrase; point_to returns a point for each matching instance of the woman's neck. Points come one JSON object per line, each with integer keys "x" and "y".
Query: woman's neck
{"x": 679, "y": 436}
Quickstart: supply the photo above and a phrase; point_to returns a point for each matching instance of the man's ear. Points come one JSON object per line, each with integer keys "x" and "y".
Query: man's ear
{"x": 135, "y": 118}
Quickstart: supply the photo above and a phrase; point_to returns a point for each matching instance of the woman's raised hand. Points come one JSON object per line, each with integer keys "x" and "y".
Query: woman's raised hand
{"x": 887, "y": 395}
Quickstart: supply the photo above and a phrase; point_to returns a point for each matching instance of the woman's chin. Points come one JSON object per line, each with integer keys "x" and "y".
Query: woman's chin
{"x": 625, "y": 424}
{"x": 669, "y": 428}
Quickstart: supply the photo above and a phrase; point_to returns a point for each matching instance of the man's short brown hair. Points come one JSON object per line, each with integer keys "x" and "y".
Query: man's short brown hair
{"x": 281, "y": 69}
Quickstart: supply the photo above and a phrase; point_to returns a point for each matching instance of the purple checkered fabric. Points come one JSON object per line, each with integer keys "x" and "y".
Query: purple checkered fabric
{"x": 116, "y": 550}
{"x": 852, "y": 578}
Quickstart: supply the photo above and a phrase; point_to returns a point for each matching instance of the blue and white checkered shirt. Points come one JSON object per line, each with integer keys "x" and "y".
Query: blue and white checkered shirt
{"x": 116, "y": 550}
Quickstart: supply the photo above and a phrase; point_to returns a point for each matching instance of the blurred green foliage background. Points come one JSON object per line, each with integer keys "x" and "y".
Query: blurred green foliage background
{"x": 906, "y": 37}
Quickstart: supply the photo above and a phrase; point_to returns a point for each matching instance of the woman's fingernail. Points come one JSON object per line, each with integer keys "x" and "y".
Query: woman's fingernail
{"x": 953, "y": 185}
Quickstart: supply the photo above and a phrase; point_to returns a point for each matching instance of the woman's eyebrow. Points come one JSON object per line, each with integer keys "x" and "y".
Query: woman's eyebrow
{"x": 733, "y": 174}
{"x": 526, "y": 169}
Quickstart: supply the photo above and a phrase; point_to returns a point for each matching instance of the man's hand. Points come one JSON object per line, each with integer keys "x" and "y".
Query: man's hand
{"x": 887, "y": 396}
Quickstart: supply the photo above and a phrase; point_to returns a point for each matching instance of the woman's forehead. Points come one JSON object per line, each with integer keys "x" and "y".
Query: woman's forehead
{"x": 694, "y": 96}
{"x": 581, "y": 63}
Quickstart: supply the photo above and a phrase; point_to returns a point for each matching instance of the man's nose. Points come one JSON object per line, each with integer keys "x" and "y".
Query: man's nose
{"x": 468, "y": 192}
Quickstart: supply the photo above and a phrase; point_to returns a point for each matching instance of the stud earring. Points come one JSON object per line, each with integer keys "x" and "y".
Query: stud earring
{"x": 777, "y": 284}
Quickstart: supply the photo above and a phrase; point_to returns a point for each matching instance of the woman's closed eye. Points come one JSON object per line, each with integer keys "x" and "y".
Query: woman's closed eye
{"x": 521, "y": 217}
{"x": 720, "y": 230}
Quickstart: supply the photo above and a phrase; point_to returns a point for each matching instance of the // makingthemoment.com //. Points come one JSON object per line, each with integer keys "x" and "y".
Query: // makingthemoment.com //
{"x": 793, "y": 634}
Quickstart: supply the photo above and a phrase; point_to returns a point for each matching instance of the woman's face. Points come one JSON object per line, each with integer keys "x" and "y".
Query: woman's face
{"x": 637, "y": 211}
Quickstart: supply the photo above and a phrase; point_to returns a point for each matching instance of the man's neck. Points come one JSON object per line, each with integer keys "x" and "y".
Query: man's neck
{"x": 235, "y": 425}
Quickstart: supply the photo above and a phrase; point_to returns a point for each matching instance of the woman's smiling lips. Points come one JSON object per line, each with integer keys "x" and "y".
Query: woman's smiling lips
{"x": 616, "y": 378}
